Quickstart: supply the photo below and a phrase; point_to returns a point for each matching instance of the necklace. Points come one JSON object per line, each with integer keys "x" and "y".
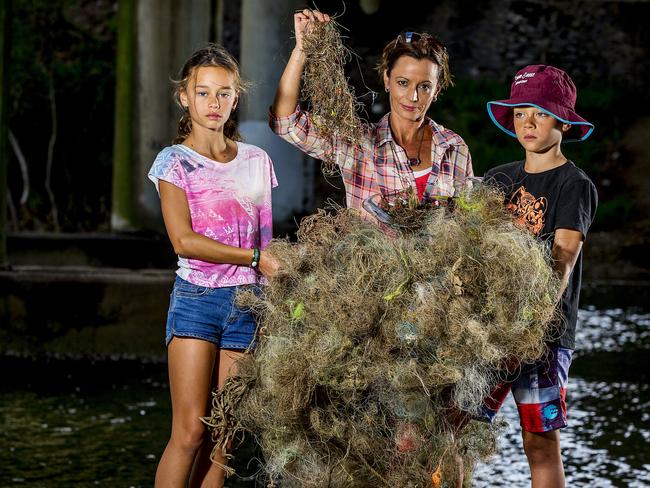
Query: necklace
{"x": 413, "y": 162}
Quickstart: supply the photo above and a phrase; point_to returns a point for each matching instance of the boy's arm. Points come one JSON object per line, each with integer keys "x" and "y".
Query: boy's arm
{"x": 567, "y": 245}
{"x": 576, "y": 210}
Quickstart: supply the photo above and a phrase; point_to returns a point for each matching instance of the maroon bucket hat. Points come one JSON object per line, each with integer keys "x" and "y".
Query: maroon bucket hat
{"x": 547, "y": 88}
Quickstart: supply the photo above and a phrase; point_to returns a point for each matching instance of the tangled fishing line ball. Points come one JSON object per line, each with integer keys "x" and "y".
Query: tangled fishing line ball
{"x": 371, "y": 345}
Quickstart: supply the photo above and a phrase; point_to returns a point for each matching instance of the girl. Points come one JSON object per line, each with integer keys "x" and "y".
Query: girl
{"x": 405, "y": 148}
{"x": 215, "y": 194}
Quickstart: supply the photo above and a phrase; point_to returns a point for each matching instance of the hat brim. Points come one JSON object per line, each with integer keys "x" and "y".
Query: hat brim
{"x": 500, "y": 112}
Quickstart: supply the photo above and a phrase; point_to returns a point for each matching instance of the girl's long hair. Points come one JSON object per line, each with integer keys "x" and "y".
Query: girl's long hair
{"x": 210, "y": 55}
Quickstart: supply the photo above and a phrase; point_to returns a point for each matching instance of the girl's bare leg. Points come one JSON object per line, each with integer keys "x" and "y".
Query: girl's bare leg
{"x": 191, "y": 366}
{"x": 206, "y": 474}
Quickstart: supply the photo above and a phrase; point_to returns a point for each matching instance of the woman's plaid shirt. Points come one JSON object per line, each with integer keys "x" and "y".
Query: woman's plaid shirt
{"x": 378, "y": 164}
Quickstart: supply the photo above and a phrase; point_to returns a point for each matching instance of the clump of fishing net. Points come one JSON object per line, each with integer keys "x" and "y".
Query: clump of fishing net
{"x": 403, "y": 210}
{"x": 372, "y": 344}
{"x": 333, "y": 103}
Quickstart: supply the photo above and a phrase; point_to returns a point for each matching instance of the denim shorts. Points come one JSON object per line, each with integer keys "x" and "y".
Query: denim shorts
{"x": 209, "y": 314}
{"x": 539, "y": 390}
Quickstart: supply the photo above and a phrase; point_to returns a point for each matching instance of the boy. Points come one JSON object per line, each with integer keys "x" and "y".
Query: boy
{"x": 556, "y": 201}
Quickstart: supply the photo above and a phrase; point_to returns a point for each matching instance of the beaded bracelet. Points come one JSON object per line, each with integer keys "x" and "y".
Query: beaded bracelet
{"x": 256, "y": 257}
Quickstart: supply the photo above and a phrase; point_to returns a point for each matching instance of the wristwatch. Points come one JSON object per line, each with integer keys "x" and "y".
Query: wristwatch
{"x": 256, "y": 257}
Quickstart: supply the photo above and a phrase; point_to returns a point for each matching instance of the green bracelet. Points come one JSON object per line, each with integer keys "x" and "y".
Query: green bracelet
{"x": 256, "y": 257}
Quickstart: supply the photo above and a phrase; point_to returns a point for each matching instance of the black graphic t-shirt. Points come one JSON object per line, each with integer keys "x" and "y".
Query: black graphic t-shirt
{"x": 560, "y": 198}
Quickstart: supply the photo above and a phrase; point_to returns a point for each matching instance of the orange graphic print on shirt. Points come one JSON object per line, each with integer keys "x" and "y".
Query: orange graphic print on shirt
{"x": 528, "y": 210}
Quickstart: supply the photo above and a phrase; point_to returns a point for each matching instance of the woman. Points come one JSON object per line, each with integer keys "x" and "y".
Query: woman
{"x": 215, "y": 195}
{"x": 405, "y": 148}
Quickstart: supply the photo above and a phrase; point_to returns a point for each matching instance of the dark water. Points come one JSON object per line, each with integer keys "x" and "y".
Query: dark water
{"x": 76, "y": 423}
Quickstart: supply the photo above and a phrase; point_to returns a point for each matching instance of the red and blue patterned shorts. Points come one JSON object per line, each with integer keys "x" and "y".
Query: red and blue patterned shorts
{"x": 539, "y": 390}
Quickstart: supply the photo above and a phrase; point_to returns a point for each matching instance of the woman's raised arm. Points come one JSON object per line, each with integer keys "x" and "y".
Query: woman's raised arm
{"x": 286, "y": 97}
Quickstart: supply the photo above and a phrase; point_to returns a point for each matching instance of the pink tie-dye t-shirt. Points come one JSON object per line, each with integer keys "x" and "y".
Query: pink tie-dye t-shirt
{"x": 229, "y": 202}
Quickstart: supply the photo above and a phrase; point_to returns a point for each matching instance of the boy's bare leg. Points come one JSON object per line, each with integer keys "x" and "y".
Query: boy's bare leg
{"x": 544, "y": 458}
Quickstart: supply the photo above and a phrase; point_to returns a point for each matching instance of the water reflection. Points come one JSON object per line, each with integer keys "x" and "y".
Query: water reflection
{"x": 612, "y": 330}
{"x": 62, "y": 426}
{"x": 68, "y": 424}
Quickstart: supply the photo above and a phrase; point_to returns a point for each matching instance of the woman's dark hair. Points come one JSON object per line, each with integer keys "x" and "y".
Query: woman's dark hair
{"x": 417, "y": 46}
{"x": 211, "y": 55}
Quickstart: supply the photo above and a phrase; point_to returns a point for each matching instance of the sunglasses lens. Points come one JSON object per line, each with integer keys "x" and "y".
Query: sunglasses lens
{"x": 409, "y": 36}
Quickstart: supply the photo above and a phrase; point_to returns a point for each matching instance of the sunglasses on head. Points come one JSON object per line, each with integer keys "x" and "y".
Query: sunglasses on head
{"x": 409, "y": 37}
